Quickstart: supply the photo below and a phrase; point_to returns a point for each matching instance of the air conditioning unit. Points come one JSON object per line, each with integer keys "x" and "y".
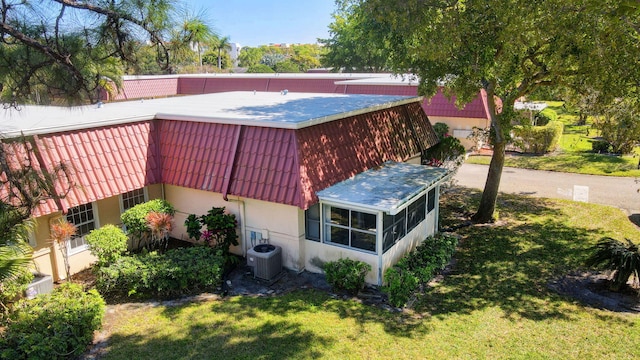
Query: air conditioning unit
{"x": 266, "y": 261}
{"x": 41, "y": 284}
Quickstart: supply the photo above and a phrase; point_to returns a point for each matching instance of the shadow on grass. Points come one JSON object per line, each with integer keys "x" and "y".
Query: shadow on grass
{"x": 279, "y": 339}
{"x": 508, "y": 265}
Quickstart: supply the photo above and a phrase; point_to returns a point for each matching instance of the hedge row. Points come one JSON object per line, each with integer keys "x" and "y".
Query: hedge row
{"x": 175, "y": 273}
{"x": 418, "y": 267}
{"x": 538, "y": 139}
{"x": 58, "y": 325}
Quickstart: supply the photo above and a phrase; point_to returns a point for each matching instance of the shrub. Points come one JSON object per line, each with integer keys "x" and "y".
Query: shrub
{"x": 12, "y": 288}
{"x": 418, "y": 267}
{"x": 346, "y": 274}
{"x": 107, "y": 243}
{"x": 260, "y": 69}
{"x": 135, "y": 219}
{"x": 449, "y": 153}
{"x": 220, "y": 229}
{"x": 441, "y": 130}
{"x": 401, "y": 283}
{"x": 545, "y": 116}
{"x": 175, "y": 273}
{"x": 601, "y": 146}
{"x": 623, "y": 259}
{"x": 58, "y": 325}
{"x": 538, "y": 139}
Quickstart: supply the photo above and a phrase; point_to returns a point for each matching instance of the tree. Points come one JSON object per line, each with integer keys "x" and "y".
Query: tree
{"x": 23, "y": 187}
{"x": 619, "y": 125}
{"x": 222, "y": 44}
{"x": 353, "y": 46}
{"x": 197, "y": 32}
{"x": 508, "y": 49}
{"x": 249, "y": 56}
{"x": 67, "y": 50}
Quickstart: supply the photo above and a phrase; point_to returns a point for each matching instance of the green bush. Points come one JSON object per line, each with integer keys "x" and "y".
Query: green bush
{"x": 545, "y": 116}
{"x": 441, "y": 130}
{"x": 260, "y": 69}
{"x": 13, "y": 288}
{"x": 220, "y": 230}
{"x": 172, "y": 274}
{"x": 601, "y": 146}
{"x": 418, "y": 267}
{"x": 58, "y": 325}
{"x": 401, "y": 283}
{"x": 135, "y": 219}
{"x": 538, "y": 139}
{"x": 623, "y": 258}
{"x": 107, "y": 243}
{"x": 346, "y": 274}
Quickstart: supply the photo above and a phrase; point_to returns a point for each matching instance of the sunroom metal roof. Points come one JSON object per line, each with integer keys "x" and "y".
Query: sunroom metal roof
{"x": 386, "y": 188}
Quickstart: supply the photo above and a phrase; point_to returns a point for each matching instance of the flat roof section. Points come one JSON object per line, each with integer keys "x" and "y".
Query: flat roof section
{"x": 266, "y": 109}
{"x": 386, "y": 188}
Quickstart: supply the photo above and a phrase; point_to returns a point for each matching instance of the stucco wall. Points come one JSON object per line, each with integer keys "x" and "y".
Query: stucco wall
{"x": 460, "y": 123}
{"x": 317, "y": 253}
{"x": 279, "y": 223}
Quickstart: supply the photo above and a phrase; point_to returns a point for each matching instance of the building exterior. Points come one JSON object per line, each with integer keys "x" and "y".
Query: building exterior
{"x": 439, "y": 108}
{"x": 324, "y": 176}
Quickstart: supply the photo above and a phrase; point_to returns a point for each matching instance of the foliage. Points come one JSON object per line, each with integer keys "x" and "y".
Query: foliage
{"x": 152, "y": 275}
{"x": 448, "y": 152}
{"x": 538, "y": 139}
{"x": 13, "y": 288}
{"x": 418, "y": 267}
{"x": 545, "y": 116}
{"x": 107, "y": 243}
{"x": 135, "y": 218}
{"x": 353, "y": 45}
{"x": 620, "y": 125}
{"x": 500, "y": 49}
{"x": 58, "y": 325}
{"x": 260, "y": 69}
{"x": 220, "y": 229}
{"x": 287, "y": 66}
{"x": 346, "y": 274}
{"x": 271, "y": 59}
{"x": 601, "y": 146}
{"x": 249, "y": 56}
{"x": 159, "y": 225}
{"x": 61, "y": 231}
{"x": 623, "y": 259}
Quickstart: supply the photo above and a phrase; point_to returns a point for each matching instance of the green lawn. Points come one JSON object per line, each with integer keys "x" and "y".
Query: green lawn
{"x": 495, "y": 304}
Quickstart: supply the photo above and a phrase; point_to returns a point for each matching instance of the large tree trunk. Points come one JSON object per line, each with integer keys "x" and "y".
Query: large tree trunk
{"x": 490, "y": 193}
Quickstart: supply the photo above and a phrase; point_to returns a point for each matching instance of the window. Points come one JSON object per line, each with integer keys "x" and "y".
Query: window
{"x": 416, "y": 212}
{"x": 132, "y": 198}
{"x": 350, "y": 228}
{"x": 394, "y": 229}
{"x": 312, "y": 222}
{"x": 83, "y": 218}
{"x": 431, "y": 203}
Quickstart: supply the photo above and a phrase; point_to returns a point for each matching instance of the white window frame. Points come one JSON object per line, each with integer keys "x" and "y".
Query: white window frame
{"x": 96, "y": 225}
{"x": 121, "y": 197}
{"x": 326, "y": 224}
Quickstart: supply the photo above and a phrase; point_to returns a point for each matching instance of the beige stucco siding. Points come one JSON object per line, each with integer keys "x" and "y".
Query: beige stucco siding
{"x": 460, "y": 123}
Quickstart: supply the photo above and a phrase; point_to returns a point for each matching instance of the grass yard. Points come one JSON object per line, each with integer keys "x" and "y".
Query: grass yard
{"x": 495, "y": 304}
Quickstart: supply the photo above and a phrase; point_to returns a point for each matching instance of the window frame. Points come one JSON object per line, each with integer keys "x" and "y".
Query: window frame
{"x": 121, "y": 197}
{"x": 327, "y": 226}
{"x": 83, "y": 246}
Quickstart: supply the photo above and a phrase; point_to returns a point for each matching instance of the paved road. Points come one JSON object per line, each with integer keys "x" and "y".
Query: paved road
{"x": 607, "y": 190}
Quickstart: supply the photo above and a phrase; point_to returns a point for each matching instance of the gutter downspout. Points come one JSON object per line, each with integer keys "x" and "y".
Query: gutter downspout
{"x": 243, "y": 224}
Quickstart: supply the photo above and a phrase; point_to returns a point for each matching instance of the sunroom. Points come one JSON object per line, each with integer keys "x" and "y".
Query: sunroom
{"x": 376, "y": 216}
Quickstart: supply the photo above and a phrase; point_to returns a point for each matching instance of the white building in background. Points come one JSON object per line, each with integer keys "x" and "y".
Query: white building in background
{"x": 234, "y": 53}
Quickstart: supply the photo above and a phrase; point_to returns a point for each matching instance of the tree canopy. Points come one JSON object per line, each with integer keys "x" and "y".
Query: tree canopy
{"x": 508, "y": 49}
{"x": 66, "y": 50}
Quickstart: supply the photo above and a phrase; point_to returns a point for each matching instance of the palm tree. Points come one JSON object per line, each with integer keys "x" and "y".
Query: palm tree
{"x": 222, "y": 44}
{"x": 15, "y": 251}
{"x": 197, "y": 32}
{"x": 623, "y": 259}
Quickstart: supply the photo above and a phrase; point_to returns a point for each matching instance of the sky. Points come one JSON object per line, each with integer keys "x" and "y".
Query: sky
{"x": 261, "y": 22}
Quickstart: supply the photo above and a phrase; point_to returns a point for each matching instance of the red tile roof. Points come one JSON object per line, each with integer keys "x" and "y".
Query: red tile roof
{"x": 439, "y": 105}
{"x": 279, "y": 165}
{"x": 147, "y": 88}
{"x": 104, "y": 161}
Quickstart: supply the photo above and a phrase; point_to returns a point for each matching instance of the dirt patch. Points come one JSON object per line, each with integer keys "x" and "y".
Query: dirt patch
{"x": 592, "y": 289}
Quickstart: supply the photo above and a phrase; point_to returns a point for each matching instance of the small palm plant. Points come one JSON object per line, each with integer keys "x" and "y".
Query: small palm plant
{"x": 622, "y": 258}
{"x": 160, "y": 225}
{"x": 60, "y": 233}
